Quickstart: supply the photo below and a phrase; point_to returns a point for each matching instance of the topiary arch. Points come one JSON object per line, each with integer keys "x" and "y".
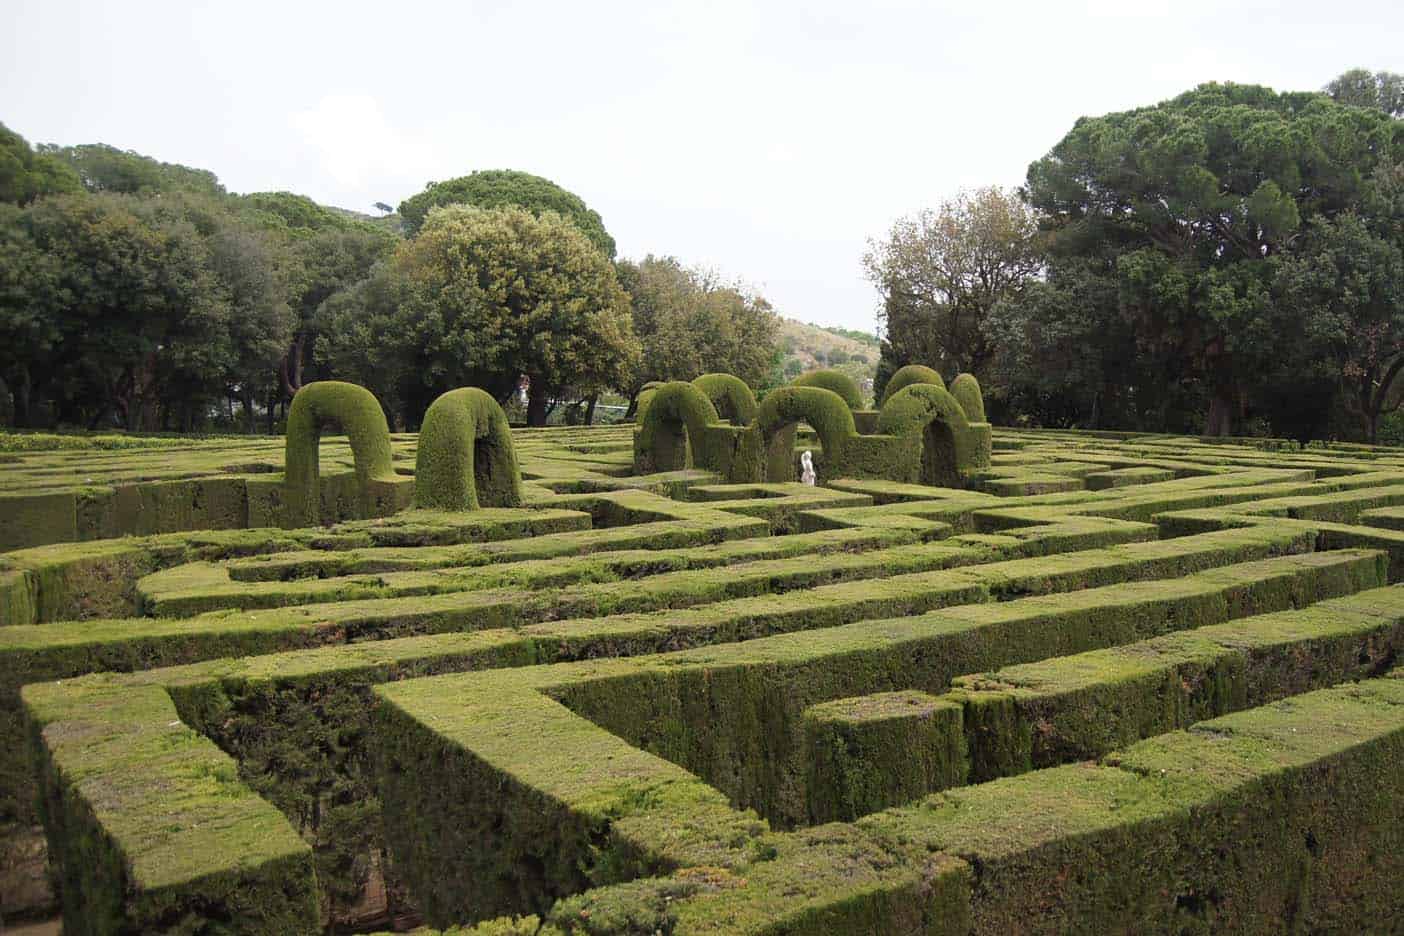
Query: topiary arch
{"x": 642, "y": 397}
{"x": 357, "y": 412}
{"x": 783, "y": 408}
{"x": 676, "y": 413}
{"x": 935, "y": 414}
{"x": 835, "y": 382}
{"x": 966, "y": 389}
{"x": 730, "y": 395}
{"x": 465, "y": 458}
{"x": 908, "y": 375}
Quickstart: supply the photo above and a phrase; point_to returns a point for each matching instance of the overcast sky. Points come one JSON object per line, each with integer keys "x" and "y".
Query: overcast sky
{"x": 766, "y": 140}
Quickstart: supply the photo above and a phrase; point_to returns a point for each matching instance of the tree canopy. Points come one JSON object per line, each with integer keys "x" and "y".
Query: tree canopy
{"x": 940, "y": 273}
{"x": 25, "y": 174}
{"x": 1177, "y": 223}
{"x": 498, "y": 188}
{"x": 691, "y": 324}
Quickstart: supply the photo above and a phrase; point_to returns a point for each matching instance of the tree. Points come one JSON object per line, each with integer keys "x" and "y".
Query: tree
{"x": 1360, "y": 87}
{"x": 493, "y": 294}
{"x": 691, "y": 323}
{"x": 130, "y": 304}
{"x": 1186, "y": 208}
{"x": 497, "y": 188}
{"x": 104, "y": 168}
{"x": 365, "y": 336}
{"x": 25, "y": 175}
{"x": 383, "y": 208}
{"x": 941, "y": 272}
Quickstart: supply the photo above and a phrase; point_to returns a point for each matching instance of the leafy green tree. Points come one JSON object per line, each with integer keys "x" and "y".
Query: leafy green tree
{"x": 130, "y": 305}
{"x": 1186, "y": 208}
{"x": 366, "y": 331}
{"x": 940, "y": 273}
{"x": 1360, "y": 87}
{"x": 690, "y": 323}
{"x": 493, "y": 294}
{"x": 104, "y": 168}
{"x": 498, "y": 188}
{"x": 329, "y": 260}
{"x": 25, "y": 175}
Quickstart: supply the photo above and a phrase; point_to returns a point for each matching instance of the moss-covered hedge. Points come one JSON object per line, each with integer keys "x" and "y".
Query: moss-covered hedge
{"x": 784, "y": 408}
{"x": 672, "y": 427}
{"x": 357, "y": 412}
{"x": 465, "y": 458}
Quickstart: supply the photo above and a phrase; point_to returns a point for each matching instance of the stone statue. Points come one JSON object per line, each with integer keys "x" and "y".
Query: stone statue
{"x": 807, "y": 463}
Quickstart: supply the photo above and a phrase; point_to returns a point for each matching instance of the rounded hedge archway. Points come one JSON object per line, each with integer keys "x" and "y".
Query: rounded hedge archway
{"x": 835, "y": 382}
{"x": 677, "y": 414}
{"x": 730, "y": 395}
{"x": 906, "y": 376}
{"x": 357, "y": 412}
{"x": 465, "y": 458}
{"x": 938, "y": 416}
{"x": 783, "y": 408}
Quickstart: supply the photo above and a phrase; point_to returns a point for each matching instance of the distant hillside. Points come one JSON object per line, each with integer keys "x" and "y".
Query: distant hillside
{"x": 809, "y": 347}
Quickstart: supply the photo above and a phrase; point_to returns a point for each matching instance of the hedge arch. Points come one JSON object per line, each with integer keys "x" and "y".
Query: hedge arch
{"x": 966, "y": 389}
{"x": 783, "y": 408}
{"x": 466, "y": 459}
{"x": 908, "y": 375}
{"x": 835, "y": 382}
{"x": 677, "y": 414}
{"x": 643, "y": 396}
{"x": 357, "y": 412}
{"x": 730, "y": 395}
{"x": 936, "y": 415}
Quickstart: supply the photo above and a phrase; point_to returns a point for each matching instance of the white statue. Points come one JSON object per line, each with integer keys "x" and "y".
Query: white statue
{"x": 807, "y": 463}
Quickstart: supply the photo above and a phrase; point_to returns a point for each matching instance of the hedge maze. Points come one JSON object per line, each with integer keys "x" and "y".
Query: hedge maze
{"x": 637, "y": 679}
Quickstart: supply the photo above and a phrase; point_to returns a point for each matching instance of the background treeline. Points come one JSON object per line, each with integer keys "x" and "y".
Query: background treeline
{"x": 1227, "y": 262}
{"x": 141, "y": 295}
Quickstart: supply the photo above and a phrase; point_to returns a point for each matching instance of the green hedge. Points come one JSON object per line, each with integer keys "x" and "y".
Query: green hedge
{"x": 908, "y": 375}
{"x": 465, "y": 457}
{"x": 731, "y": 396}
{"x": 834, "y": 381}
{"x": 357, "y": 412}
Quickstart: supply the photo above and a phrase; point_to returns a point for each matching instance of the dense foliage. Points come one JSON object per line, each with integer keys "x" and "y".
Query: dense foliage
{"x": 1228, "y": 261}
{"x": 497, "y": 188}
{"x": 139, "y": 294}
{"x": 690, "y": 324}
{"x": 480, "y": 298}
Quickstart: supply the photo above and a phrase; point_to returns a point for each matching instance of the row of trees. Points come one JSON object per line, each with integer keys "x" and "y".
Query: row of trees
{"x": 141, "y": 294}
{"x": 1228, "y": 261}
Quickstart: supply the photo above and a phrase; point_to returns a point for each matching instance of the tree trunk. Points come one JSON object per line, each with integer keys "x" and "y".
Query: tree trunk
{"x": 24, "y": 416}
{"x": 537, "y": 399}
{"x": 1220, "y": 419}
{"x": 590, "y": 410}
